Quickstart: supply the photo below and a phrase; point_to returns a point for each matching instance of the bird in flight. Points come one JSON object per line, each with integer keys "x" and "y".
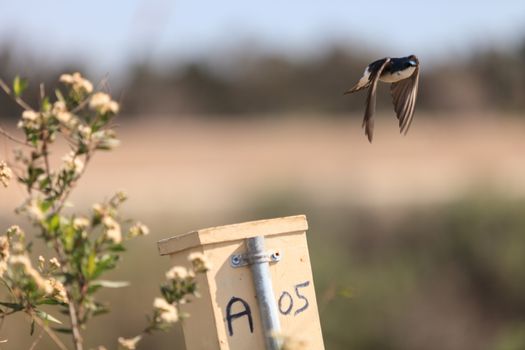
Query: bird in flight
{"x": 403, "y": 73}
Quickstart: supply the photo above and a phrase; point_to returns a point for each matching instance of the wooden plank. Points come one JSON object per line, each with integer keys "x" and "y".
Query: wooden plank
{"x": 234, "y": 232}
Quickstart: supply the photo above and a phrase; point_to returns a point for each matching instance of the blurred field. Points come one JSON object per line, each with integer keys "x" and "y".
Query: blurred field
{"x": 216, "y": 166}
{"x": 416, "y": 241}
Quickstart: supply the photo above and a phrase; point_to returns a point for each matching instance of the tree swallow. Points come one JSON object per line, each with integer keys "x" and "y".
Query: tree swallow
{"x": 403, "y": 73}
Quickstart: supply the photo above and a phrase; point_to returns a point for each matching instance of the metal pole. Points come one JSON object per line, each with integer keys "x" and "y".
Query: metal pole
{"x": 263, "y": 287}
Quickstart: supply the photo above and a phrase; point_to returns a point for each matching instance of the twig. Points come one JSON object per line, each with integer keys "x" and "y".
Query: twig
{"x": 77, "y": 337}
{"x": 81, "y": 105}
{"x": 42, "y": 92}
{"x": 38, "y": 338}
{"x": 2, "y": 319}
{"x": 103, "y": 83}
{"x": 73, "y": 314}
{"x": 45, "y": 153}
{"x": 65, "y": 195}
{"x": 17, "y": 99}
{"x": 51, "y": 334}
{"x": 14, "y": 139}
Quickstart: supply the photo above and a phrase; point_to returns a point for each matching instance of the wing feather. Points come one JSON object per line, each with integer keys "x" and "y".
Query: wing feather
{"x": 368, "y": 120}
{"x": 404, "y": 95}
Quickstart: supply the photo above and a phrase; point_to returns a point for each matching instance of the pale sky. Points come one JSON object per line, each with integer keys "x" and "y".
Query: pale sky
{"x": 108, "y": 34}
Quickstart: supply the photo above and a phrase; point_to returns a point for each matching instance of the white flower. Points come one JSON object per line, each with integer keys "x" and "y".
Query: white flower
{"x": 57, "y": 290}
{"x": 167, "y": 312}
{"x": 59, "y": 106}
{"x": 33, "y": 210}
{"x": 138, "y": 229}
{"x": 200, "y": 262}
{"x": 4, "y": 248}
{"x": 4, "y": 254}
{"x": 67, "y": 119}
{"x": 102, "y": 103}
{"x": 129, "y": 344}
{"x": 30, "y": 120}
{"x": 84, "y": 131}
{"x": 72, "y": 163}
{"x": 30, "y": 271}
{"x": 122, "y": 196}
{"x": 41, "y": 261}
{"x": 3, "y": 268}
{"x": 5, "y": 174}
{"x": 98, "y": 209}
{"x": 105, "y": 139}
{"x": 177, "y": 272}
{"x": 15, "y": 231}
{"x": 80, "y": 223}
{"x": 77, "y": 82}
{"x": 112, "y": 229}
{"x": 54, "y": 263}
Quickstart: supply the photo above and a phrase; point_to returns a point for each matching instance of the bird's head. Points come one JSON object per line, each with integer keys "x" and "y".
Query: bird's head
{"x": 412, "y": 61}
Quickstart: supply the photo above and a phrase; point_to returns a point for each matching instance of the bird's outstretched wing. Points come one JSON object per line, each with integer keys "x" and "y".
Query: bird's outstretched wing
{"x": 404, "y": 94}
{"x": 368, "y": 121}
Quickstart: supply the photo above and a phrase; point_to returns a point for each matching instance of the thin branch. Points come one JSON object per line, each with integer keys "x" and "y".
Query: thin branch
{"x": 42, "y": 92}
{"x": 77, "y": 337}
{"x": 51, "y": 334}
{"x": 38, "y": 338}
{"x": 81, "y": 105}
{"x": 17, "y": 99}
{"x": 14, "y": 139}
{"x": 67, "y": 192}
{"x": 45, "y": 153}
{"x": 73, "y": 313}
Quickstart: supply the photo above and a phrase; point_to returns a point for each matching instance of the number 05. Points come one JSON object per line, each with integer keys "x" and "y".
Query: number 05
{"x": 286, "y": 301}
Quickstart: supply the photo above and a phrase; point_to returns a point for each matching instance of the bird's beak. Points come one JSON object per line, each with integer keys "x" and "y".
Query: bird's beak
{"x": 413, "y": 63}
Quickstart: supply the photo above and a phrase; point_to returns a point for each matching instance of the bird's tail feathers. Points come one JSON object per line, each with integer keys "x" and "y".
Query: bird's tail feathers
{"x": 355, "y": 89}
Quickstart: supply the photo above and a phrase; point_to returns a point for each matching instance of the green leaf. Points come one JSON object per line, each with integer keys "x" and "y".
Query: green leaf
{"x": 101, "y": 310}
{"x": 54, "y": 223}
{"x": 46, "y": 105}
{"x": 19, "y": 86}
{"x": 117, "y": 248}
{"x": 46, "y": 204}
{"x": 93, "y": 288}
{"x": 48, "y": 301}
{"x": 46, "y": 317}
{"x": 59, "y": 95}
{"x": 91, "y": 265}
{"x": 13, "y": 306}
{"x": 111, "y": 284}
{"x": 62, "y": 330}
{"x": 107, "y": 262}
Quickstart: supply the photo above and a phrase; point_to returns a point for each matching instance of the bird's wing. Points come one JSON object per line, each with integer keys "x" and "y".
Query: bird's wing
{"x": 404, "y": 94}
{"x": 368, "y": 121}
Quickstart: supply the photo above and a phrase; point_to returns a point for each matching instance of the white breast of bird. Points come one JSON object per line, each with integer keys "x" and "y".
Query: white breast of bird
{"x": 397, "y": 76}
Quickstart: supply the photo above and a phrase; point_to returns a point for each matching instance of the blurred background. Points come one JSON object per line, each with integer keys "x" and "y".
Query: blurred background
{"x": 233, "y": 111}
